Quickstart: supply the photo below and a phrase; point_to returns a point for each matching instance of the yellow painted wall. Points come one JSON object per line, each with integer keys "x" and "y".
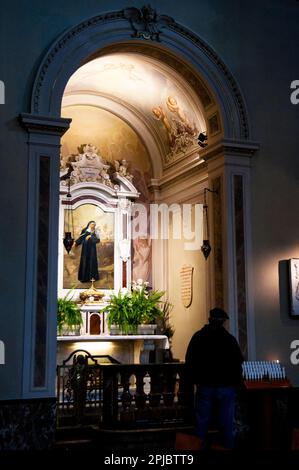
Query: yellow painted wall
{"x": 186, "y": 320}
{"x": 114, "y": 138}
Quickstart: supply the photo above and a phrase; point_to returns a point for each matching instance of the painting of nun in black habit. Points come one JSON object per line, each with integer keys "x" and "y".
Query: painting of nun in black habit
{"x": 88, "y": 268}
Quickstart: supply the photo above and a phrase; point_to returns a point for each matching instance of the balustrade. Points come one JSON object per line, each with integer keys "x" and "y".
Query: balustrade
{"x": 121, "y": 395}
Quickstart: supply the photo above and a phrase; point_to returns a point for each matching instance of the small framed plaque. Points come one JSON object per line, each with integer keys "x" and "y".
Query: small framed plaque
{"x": 294, "y": 286}
{"x": 186, "y": 274}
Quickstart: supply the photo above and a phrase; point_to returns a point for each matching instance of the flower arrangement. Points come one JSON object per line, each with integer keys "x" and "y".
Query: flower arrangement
{"x": 128, "y": 310}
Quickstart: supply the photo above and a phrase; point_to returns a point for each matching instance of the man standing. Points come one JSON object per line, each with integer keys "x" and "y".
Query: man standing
{"x": 214, "y": 363}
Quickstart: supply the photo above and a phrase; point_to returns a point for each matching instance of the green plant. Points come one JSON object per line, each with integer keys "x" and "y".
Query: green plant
{"x": 68, "y": 313}
{"x": 166, "y": 328}
{"x": 120, "y": 312}
{"x": 130, "y": 309}
{"x": 146, "y": 305}
{"x": 164, "y": 325}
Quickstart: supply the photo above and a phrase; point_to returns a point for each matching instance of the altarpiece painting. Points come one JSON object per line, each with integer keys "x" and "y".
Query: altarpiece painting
{"x": 104, "y": 249}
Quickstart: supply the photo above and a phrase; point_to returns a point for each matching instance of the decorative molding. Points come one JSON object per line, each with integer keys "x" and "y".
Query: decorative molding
{"x": 44, "y": 124}
{"x": 76, "y": 201}
{"x": 184, "y": 172}
{"x": 214, "y": 125}
{"x": 146, "y": 23}
{"x": 62, "y": 42}
{"x": 181, "y": 159}
{"x": 229, "y": 146}
{"x": 221, "y": 65}
{"x": 116, "y": 199}
{"x": 88, "y": 166}
{"x": 122, "y": 170}
{"x": 151, "y": 22}
{"x": 197, "y": 162}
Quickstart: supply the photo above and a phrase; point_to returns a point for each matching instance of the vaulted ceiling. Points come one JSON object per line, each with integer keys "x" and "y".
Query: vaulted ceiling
{"x": 148, "y": 95}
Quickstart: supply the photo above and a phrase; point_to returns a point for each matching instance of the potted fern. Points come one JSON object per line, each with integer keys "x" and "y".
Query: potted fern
{"x": 166, "y": 328}
{"x": 69, "y": 319}
{"x": 134, "y": 312}
{"x": 147, "y": 306}
{"x": 120, "y": 318}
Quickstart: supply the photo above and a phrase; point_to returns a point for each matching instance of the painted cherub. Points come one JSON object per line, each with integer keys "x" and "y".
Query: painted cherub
{"x": 161, "y": 116}
{"x": 184, "y": 125}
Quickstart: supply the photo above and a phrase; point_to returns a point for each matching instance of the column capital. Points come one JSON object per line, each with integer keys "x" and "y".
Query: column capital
{"x": 230, "y": 148}
{"x": 34, "y": 123}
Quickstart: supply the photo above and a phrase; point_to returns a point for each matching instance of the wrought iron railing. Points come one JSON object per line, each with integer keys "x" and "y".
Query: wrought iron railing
{"x": 79, "y": 394}
{"x": 121, "y": 395}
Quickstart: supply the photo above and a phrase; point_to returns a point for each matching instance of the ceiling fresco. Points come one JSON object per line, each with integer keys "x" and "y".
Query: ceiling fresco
{"x": 157, "y": 93}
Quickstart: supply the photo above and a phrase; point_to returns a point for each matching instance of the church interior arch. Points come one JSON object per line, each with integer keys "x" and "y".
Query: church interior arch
{"x": 140, "y": 106}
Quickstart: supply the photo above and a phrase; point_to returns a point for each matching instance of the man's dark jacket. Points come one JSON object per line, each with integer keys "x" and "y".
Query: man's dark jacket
{"x": 214, "y": 358}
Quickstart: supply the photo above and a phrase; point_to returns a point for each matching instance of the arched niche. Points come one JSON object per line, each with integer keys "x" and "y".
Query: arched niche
{"x": 104, "y": 32}
{"x": 210, "y": 78}
{"x": 95, "y": 324}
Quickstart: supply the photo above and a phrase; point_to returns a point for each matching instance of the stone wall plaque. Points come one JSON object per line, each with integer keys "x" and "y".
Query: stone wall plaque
{"x": 186, "y": 274}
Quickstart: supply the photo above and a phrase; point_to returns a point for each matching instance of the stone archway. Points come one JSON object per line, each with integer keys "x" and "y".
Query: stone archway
{"x": 83, "y": 41}
{"x": 228, "y": 167}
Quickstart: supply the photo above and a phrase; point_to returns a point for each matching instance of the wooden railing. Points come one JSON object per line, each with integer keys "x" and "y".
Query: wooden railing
{"x": 122, "y": 395}
{"x": 145, "y": 394}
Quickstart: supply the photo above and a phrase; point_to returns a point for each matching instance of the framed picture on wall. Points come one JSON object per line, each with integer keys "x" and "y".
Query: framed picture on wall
{"x": 80, "y": 255}
{"x": 294, "y": 286}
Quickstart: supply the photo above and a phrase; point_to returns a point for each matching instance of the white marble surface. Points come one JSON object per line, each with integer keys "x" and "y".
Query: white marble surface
{"x": 162, "y": 338}
{"x": 127, "y": 349}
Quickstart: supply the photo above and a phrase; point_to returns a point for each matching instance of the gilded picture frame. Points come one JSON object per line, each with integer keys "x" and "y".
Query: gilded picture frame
{"x": 104, "y": 249}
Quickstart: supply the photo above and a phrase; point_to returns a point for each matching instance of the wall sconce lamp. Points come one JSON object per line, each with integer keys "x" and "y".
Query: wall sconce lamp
{"x": 202, "y": 139}
{"x": 68, "y": 239}
{"x": 206, "y": 247}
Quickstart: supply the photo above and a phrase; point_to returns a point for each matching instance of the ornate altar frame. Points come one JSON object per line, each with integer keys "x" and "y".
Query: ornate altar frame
{"x": 113, "y": 192}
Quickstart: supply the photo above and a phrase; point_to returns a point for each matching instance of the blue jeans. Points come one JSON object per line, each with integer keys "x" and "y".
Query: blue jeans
{"x": 224, "y": 399}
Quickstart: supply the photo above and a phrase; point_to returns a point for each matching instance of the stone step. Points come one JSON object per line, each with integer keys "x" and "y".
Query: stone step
{"x": 126, "y": 439}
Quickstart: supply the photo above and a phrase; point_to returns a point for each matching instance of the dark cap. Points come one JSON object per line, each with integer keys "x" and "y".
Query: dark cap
{"x": 218, "y": 314}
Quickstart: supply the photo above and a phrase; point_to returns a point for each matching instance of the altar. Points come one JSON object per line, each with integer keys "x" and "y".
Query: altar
{"x": 98, "y": 255}
{"x": 96, "y": 338}
{"x": 126, "y": 349}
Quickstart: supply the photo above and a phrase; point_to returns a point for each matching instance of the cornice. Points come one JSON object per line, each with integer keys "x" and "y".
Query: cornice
{"x": 240, "y": 148}
{"x": 226, "y": 149}
{"x": 44, "y": 124}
